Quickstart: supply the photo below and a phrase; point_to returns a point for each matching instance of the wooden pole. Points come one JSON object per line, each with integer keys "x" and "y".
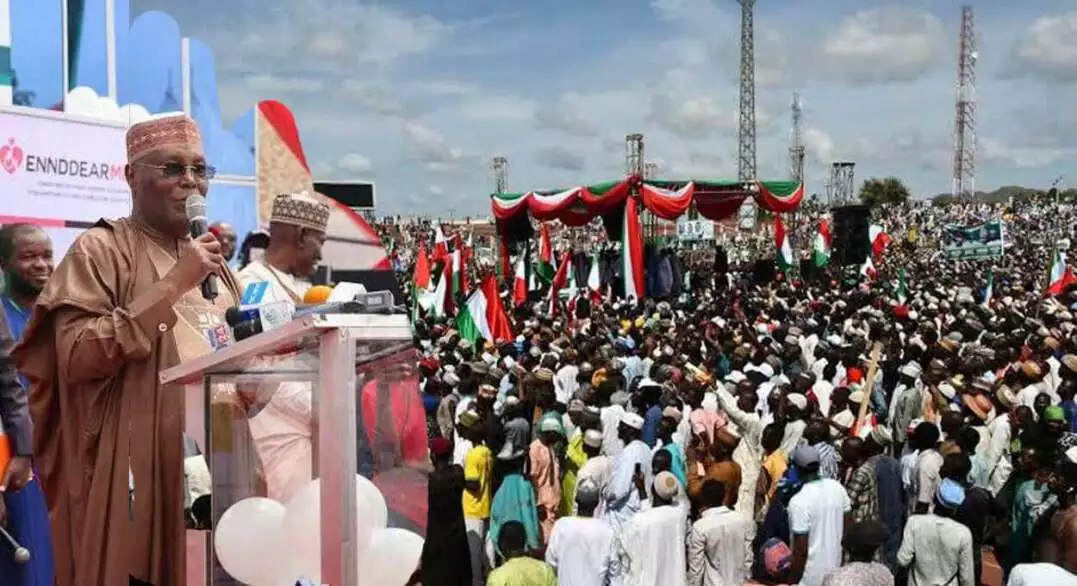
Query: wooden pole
{"x": 869, "y": 386}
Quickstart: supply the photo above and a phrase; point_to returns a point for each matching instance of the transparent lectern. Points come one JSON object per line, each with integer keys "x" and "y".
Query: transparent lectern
{"x": 326, "y": 396}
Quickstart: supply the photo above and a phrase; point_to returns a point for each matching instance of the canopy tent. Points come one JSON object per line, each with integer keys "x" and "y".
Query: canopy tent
{"x": 666, "y": 199}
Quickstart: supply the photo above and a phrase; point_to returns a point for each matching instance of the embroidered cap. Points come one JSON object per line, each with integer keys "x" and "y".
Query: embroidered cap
{"x": 172, "y": 130}
{"x": 301, "y": 210}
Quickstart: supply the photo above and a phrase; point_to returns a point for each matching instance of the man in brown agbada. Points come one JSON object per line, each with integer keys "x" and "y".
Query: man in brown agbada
{"x": 123, "y": 305}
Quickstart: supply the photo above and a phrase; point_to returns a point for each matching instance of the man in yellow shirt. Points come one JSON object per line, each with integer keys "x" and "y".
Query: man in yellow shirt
{"x": 519, "y": 568}
{"x": 478, "y": 494}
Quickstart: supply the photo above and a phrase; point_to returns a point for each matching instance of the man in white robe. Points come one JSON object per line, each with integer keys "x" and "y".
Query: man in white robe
{"x": 651, "y": 545}
{"x": 622, "y": 499}
{"x": 581, "y": 546}
{"x": 282, "y": 430}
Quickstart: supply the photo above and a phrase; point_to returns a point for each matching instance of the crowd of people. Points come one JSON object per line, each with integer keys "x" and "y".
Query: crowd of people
{"x": 914, "y": 424}
{"x": 838, "y": 430}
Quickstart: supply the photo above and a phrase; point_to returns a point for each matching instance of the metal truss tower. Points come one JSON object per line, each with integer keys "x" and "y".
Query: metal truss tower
{"x": 964, "y": 186}
{"x": 746, "y": 161}
{"x": 634, "y": 164}
{"x": 796, "y": 150}
{"x": 501, "y": 174}
{"x": 842, "y": 188}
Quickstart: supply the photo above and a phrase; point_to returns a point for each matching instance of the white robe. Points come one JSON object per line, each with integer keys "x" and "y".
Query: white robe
{"x": 621, "y": 498}
{"x": 282, "y": 430}
{"x": 651, "y": 549}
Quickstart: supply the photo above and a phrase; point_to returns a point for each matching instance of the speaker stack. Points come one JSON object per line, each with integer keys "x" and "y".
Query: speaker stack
{"x": 849, "y": 243}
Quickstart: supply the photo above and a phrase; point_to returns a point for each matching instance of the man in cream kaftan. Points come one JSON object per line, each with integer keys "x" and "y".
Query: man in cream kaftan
{"x": 283, "y": 429}
{"x": 122, "y": 305}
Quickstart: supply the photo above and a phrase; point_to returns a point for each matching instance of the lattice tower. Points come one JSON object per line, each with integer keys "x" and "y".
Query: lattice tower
{"x": 796, "y": 150}
{"x": 501, "y": 174}
{"x": 746, "y": 161}
{"x": 964, "y": 179}
{"x": 634, "y": 154}
{"x": 842, "y": 186}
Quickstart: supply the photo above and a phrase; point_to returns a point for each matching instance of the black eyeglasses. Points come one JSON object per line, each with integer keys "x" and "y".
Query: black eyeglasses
{"x": 175, "y": 170}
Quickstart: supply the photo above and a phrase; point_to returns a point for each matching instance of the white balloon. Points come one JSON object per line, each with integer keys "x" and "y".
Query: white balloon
{"x": 303, "y": 522}
{"x": 131, "y": 114}
{"x": 107, "y": 109}
{"x": 391, "y": 557}
{"x": 82, "y": 101}
{"x": 251, "y": 545}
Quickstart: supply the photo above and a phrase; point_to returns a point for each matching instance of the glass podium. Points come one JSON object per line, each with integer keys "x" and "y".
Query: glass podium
{"x": 327, "y": 397}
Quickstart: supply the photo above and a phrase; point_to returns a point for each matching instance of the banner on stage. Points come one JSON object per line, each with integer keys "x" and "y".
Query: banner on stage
{"x": 61, "y": 173}
{"x": 695, "y": 230}
{"x": 976, "y": 242}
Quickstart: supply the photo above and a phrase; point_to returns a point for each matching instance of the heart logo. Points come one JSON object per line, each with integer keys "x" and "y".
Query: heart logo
{"x": 11, "y": 156}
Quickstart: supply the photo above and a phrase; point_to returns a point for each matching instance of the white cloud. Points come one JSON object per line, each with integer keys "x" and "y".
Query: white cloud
{"x": 497, "y": 108}
{"x": 695, "y": 118}
{"x": 356, "y": 164}
{"x": 273, "y": 84}
{"x": 1047, "y": 49}
{"x": 559, "y": 157}
{"x": 700, "y": 165}
{"x": 565, "y": 115}
{"x": 1016, "y": 156}
{"x": 431, "y": 147}
{"x": 880, "y": 45}
{"x": 329, "y": 36}
{"x": 818, "y": 146}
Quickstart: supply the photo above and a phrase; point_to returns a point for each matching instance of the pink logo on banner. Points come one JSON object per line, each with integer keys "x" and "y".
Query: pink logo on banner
{"x": 11, "y": 156}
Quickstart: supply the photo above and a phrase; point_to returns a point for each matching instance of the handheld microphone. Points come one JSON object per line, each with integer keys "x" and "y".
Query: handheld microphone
{"x": 20, "y": 554}
{"x": 196, "y": 222}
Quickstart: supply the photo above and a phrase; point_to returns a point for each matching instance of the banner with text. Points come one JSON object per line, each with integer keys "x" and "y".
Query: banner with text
{"x": 61, "y": 170}
{"x": 61, "y": 174}
{"x": 974, "y": 242}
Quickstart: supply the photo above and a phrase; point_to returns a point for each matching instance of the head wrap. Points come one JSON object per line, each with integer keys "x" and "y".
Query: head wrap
{"x": 950, "y": 494}
{"x": 632, "y": 420}
{"x": 592, "y": 438}
{"x": 440, "y": 447}
{"x": 1054, "y": 413}
{"x": 666, "y": 485}
{"x": 172, "y": 130}
{"x": 300, "y": 210}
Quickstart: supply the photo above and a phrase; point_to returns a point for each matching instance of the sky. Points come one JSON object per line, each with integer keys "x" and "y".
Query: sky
{"x": 419, "y": 95}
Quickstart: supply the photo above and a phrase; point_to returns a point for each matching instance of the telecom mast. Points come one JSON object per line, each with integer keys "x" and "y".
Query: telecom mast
{"x": 796, "y": 150}
{"x": 965, "y": 111}
{"x": 634, "y": 164}
{"x": 501, "y": 174}
{"x": 746, "y": 162}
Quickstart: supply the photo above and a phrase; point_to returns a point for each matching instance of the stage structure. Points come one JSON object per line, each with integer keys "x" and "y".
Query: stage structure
{"x": 746, "y": 138}
{"x": 796, "y": 149}
{"x": 841, "y": 190}
{"x": 501, "y": 174}
{"x": 964, "y": 157}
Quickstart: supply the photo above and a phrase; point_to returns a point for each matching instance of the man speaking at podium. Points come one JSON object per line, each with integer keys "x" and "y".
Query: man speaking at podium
{"x": 124, "y": 304}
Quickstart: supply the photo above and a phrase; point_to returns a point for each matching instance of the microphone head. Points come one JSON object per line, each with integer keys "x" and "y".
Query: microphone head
{"x": 196, "y": 207}
{"x": 317, "y": 295}
{"x": 21, "y": 555}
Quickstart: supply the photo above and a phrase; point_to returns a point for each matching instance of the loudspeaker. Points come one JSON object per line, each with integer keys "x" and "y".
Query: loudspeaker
{"x": 850, "y": 244}
{"x": 764, "y": 271}
{"x": 721, "y": 261}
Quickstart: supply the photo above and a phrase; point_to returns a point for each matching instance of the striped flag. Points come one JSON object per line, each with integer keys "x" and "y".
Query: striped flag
{"x": 632, "y": 251}
{"x": 781, "y": 242}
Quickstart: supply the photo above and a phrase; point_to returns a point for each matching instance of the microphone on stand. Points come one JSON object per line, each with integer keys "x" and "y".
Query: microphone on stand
{"x": 20, "y": 554}
{"x": 196, "y": 222}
